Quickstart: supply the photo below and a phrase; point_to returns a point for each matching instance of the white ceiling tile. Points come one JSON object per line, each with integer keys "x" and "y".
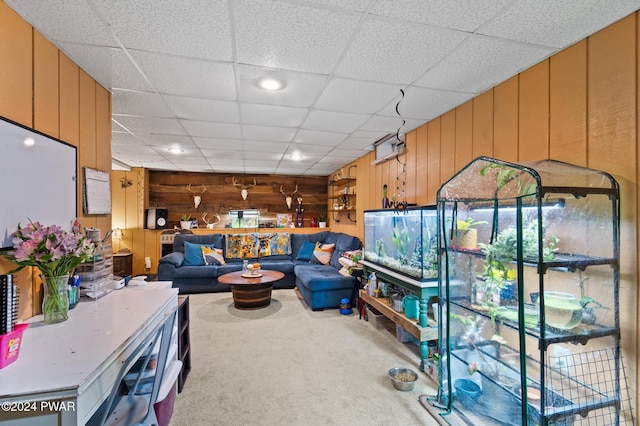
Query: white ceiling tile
{"x": 333, "y": 121}
{"x": 308, "y": 150}
{"x": 357, "y": 143}
{"x": 356, "y": 96}
{"x": 227, "y": 168}
{"x": 379, "y": 123}
{"x": 271, "y": 115}
{"x": 260, "y": 169}
{"x": 268, "y": 157}
{"x": 306, "y": 136}
{"x": 381, "y": 48}
{"x": 290, "y": 169}
{"x": 492, "y": 61}
{"x": 203, "y": 109}
{"x": 339, "y": 154}
{"x": 126, "y": 139}
{"x": 107, "y": 65}
{"x": 69, "y": 20}
{"x": 187, "y": 76}
{"x": 355, "y": 5}
{"x": 166, "y": 140}
{"x": 425, "y": 104}
{"x": 197, "y": 28}
{"x": 464, "y": 15}
{"x": 167, "y": 126}
{"x": 129, "y": 102}
{"x": 368, "y": 134}
{"x": 265, "y": 146}
{"x": 190, "y": 161}
{"x": 279, "y": 34}
{"x": 220, "y": 156}
{"x": 268, "y": 133}
{"x": 301, "y": 89}
{"x": 207, "y": 129}
{"x": 556, "y": 23}
{"x": 217, "y": 143}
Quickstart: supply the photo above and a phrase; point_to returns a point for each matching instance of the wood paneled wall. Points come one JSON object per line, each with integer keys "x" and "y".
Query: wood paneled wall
{"x": 580, "y": 106}
{"x": 43, "y": 89}
{"x": 169, "y": 190}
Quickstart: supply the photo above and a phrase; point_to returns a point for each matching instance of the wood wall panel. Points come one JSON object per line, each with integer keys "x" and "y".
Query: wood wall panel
{"x": 39, "y": 89}
{"x": 422, "y": 166}
{"x": 46, "y": 98}
{"x": 464, "y": 134}
{"x": 533, "y": 129}
{"x": 447, "y": 146}
{"x": 505, "y": 120}
{"x": 568, "y": 105}
{"x": 169, "y": 190}
{"x": 612, "y": 115}
{"x": 69, "y": 100}
{"x": 410, "y": 159}
{"x": 433, "y": 161}
{"x": 483, "y": 125}
{"x": 16, "y": 68}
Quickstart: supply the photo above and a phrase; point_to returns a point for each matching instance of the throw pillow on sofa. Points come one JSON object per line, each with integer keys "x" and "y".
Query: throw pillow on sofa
{"x": 306, "y": 251}
{"x": 242, "y": 246}
{"x": 212, "y": 256}
{"x": 322, "y": 253}
{"x": 193, "y": 253}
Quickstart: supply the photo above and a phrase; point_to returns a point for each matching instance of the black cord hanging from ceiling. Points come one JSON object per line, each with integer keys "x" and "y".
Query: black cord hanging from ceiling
{"x": 400, "y": 174}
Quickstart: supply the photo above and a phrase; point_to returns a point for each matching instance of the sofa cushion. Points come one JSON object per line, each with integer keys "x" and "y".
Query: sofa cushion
{"x": 322, "y": 253}
{"x": 322, "y": 278}
{"x": 241, "y": 246}
{"x": 343, "y": 243}
{"x": 212, "y": 256}
{"x": 298, "y": 239}
{"x": 274, "y": 244}
{"x": 193, "y": 253}
{"x": 306, "y": 251}
{"x": 179, "y": 240}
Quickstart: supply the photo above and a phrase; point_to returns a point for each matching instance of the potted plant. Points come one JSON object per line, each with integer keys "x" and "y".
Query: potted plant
{"x": 500, "y": 254}
{"x": 185, "y": 221}
{"x": 322, "y": 220}
{"x": 464, "y": 236}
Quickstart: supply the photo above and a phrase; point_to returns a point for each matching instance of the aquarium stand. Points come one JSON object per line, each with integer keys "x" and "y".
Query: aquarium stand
{"x": 426, "y": 291}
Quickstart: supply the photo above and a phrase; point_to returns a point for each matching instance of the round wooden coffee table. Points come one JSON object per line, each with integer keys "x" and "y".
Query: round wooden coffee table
{"x": 251, "y": 293}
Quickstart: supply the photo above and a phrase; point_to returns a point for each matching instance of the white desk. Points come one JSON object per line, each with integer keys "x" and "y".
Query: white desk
{"x": 74, "y": 364}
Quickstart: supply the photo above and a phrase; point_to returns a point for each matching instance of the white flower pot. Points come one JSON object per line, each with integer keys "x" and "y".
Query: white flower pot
{"x": 322, "y": 224}
{"x": 185, "y": 224}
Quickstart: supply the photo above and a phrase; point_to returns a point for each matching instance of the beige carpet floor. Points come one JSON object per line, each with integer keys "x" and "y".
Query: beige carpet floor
{"x": 288, "y": 365}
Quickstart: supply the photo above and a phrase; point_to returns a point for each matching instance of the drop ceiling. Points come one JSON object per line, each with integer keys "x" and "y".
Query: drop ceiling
{"x": 184, "y": 74}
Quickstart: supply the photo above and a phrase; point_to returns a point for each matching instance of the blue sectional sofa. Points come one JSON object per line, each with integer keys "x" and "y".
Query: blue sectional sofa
{"x": 322, "y": 286}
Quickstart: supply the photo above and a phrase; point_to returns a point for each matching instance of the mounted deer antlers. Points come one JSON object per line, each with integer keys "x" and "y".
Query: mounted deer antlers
{"x": 197, "y": 198}
{"x": 210, "y": 225}
{"x": 244, "y": 190}
{"x": 288, "y": 198}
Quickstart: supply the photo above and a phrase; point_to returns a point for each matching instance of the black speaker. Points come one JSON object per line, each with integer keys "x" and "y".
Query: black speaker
{"x": 157, "y": 218}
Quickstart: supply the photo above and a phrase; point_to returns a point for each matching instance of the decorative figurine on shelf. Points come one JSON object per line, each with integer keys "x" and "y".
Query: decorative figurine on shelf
{"x": 299, "y": 214}
{"x": 385, "y": 200}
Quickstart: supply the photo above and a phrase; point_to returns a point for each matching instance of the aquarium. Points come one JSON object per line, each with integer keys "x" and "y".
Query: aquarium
{"x": 245, "y": 218}
{"x": 404, "y": 241}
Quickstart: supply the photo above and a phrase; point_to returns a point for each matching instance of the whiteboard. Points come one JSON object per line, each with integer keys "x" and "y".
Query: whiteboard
{"x": 96, "y": 190}
{"x": 37, "y": 183}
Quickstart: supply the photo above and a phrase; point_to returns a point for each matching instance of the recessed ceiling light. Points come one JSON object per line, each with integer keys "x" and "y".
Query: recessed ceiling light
{"x": 271, "y": 84}
{"x": 296, "y": 156}
{"x": 29, "y": 142}
{"x": 175, "y": 150}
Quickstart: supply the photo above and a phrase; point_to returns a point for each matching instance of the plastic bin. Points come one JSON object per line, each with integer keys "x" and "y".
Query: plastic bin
{"x": 167, "y": 394}
{"x": 376, "y": 319}
{"x": 10, "y": 345}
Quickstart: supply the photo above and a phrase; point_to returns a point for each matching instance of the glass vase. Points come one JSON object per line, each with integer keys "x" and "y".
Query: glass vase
{"x": 55, "y": 304}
